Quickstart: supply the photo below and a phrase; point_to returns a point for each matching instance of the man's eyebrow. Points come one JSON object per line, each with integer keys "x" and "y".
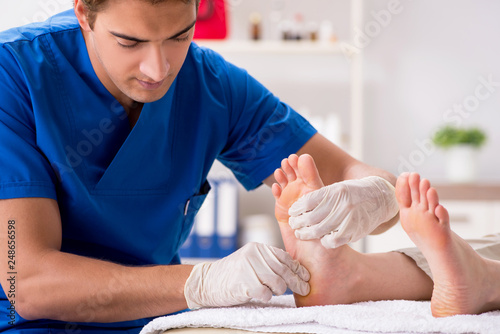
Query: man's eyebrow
{"x": 183, "y": 30}
{"x": 138, "y": 40}
{"x": 129, "y": 38}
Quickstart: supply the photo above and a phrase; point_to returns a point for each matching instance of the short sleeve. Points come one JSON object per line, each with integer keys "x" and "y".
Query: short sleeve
{"x": 263, "y": 130}
{"x": 24, "y": 170}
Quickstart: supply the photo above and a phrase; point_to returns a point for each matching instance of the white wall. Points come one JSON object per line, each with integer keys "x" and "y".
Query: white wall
{"x": 426, "y": 61}
{"x": 426, "y": 58}
{"x": 26, "y": 11}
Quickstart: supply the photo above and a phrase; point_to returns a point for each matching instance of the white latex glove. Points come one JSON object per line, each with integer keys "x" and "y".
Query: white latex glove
{"x": 343, "y": 212}
{"x": 254, "y": 271}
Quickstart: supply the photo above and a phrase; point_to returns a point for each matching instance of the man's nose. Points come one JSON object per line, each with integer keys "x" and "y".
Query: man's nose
{"x": 155, "y": 66}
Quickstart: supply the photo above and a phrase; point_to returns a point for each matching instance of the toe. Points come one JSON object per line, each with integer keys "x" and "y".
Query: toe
{"x": 281, "y": 178}
{"x": 276, "y": 189}
{"x": 294, "y": 161}
{"x": 289, "y": 171}
{"x": 424, "y": 188}
{"x": 414, "y": 182}
{"x": 432, "y": 199}
{"x": 403, "y": 191}
{"x": 442, "y": 214}
{"x": 309, "y": 172}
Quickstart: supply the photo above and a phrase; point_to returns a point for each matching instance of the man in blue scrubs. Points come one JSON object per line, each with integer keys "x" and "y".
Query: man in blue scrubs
{"x": 110, "y": 119}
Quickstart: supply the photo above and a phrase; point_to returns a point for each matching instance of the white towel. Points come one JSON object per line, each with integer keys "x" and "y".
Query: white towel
{"x": 281, "y": 316}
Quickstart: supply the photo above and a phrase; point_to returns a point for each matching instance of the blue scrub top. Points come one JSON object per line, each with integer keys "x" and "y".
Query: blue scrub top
{"x": 127, "y": 196}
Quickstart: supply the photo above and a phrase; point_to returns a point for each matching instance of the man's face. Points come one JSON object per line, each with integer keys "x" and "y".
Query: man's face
{"x": 137, "y": 49}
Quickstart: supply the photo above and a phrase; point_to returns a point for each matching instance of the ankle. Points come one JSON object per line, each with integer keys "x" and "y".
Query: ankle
{"x": 492, "y": 273}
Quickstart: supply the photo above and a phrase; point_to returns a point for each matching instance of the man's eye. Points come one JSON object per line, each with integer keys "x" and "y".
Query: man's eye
{"x": 128, "y": 46}
{"x": 182, "y": 39}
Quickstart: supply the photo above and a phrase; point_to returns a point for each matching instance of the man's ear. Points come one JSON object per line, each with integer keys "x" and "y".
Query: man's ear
{"x": 81, "y": 13}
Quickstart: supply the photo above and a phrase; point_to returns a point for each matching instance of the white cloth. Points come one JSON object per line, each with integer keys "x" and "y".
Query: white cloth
{"x": 281, "y": 316}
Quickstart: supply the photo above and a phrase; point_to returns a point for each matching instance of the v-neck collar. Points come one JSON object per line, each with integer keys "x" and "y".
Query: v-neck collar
{"x": 144, "y": 154}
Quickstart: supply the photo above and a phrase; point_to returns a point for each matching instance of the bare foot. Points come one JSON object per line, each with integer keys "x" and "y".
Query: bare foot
{"x": 297, "y": 177}
{"x": 341, "y": 275}
{"x": 464, "y": 282}
{"x": 330, "y": 269}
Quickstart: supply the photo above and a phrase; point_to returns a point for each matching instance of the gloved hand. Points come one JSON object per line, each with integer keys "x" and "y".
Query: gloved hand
{"x": 343, "y": 212}
{"x": 254, "y": 271}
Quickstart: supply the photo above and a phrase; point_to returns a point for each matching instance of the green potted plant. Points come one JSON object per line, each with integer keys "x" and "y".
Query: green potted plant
{"x": 461, "y": 146}
{"x": 450, "y": 136}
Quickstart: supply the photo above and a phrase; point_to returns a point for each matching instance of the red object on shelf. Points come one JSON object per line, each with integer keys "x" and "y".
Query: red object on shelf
{"x": 212, "y": 20}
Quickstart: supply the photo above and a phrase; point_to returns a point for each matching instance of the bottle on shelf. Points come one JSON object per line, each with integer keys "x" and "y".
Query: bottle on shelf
{"x": 326, "y": 33}
{"x": 255, "y": 26}
{"x": 312, "y": 30}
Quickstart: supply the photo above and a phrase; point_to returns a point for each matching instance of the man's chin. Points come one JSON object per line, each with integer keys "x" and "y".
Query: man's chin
{"x": 148, "y": 98}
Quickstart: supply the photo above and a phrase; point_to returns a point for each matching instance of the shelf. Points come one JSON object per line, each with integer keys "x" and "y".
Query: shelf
{"x": 272, "y": 47}
{"x": 474, "y": 192}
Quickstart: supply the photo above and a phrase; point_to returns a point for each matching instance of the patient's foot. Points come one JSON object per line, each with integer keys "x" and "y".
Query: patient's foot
{"x": 297, "y": 177}
{"x": 332, "y": 276}
{"x": 464, "y": 282}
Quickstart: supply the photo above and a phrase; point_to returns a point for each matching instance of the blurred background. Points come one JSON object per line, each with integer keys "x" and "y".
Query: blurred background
{"x": 378, "y": 78}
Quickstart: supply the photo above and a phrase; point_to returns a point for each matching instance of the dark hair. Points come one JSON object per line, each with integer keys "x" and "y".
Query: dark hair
{"x": 94, "y": 6}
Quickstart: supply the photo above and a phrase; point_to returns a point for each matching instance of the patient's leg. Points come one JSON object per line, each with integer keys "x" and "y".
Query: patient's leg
{"x": 341, "y": 275}
{"x": 464, "y": 282}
